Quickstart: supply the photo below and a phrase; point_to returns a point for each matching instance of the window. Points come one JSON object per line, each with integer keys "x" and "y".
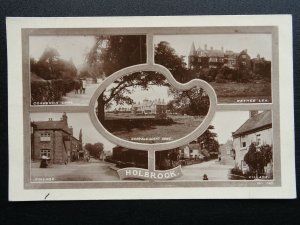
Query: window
{"x": 244, "y": 144}
{"x": 199, "y": 59}
{"x": 244, "y": 56}
{"x": 258, "y": 140}
{"x": 45, "y": 152}
{"x": 45, "y": 136}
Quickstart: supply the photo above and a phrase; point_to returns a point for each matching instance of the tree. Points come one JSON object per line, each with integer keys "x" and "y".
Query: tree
{"x": 112, "y": 53}
{"x": 124, "y": 86}
{"x": 208, "y": 140}
{"x": 117, "y": 52}
{"x": 258, "y": 157}
{"x": 166, "y": 56}
{"x": 193, "y": 102}
{"x": 50, "y": 66}
{"x": 254, "y": 159}
{"x": 94, "y": 150}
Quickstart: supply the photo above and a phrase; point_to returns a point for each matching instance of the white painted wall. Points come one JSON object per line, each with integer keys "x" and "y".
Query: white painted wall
{"x": 264, "y": 137}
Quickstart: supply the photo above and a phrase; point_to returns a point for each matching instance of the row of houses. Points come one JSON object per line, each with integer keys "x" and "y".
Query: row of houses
{"x": 216, "y": 58}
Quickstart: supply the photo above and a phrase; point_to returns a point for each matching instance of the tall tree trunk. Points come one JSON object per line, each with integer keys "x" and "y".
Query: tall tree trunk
{"x": 101, "y": 104}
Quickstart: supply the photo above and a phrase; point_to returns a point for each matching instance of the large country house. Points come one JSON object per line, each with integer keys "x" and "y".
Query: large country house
{"x": 156, "y": 106}
{"x": 55, "y": 140}
{"x": 216, "y": 58}
{"x": 257, "y": 129}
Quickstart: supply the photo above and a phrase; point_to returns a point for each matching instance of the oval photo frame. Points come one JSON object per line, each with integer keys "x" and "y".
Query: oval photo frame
{"x": 196, "y": 83}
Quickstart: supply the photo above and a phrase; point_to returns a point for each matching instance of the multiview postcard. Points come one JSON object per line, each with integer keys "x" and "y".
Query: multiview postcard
{"x": 150, "y": 108}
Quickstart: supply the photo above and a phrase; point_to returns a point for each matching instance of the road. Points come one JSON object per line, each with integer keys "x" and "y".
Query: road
{"x": 95, "y": 170}
{"x": 81, "y": 99}
{"x": 212, "y": 169}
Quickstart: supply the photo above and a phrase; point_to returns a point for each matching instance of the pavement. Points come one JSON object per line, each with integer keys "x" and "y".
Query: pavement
{"x": 94, "y": 170}
{"x": 81, "y": 99}
{"x": 213, "y": 169}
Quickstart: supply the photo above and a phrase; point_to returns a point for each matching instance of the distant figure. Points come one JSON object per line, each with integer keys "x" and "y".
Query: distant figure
{"x": 205, "y": 177}
{"x": 83, "y": 86}
{"x": 44, "y": 163}
{"x": 77, "y": 86}
{"x": 81, "y": 89}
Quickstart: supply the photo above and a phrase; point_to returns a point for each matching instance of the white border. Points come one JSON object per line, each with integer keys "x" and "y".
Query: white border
{"x": 15, "y": 109}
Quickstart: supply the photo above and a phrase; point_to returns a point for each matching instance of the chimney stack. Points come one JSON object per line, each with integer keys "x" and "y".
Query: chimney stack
{"x": 253, "y": 113}
{"x": 71, "y": 130}
{"x": 205, "y": 47}
{"x": 211, "y": 48}
{"x": 64, "y": 117}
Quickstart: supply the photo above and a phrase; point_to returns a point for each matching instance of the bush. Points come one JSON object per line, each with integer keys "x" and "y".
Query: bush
{"x": 46, "y": 91}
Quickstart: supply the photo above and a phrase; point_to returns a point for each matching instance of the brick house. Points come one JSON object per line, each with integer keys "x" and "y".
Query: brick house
{"x": 55, "y": 140}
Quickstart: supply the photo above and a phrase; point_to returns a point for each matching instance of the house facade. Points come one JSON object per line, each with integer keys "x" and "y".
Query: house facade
{"x": 216, "y": 58}
{"x": 258, "y": 130}
{"x": 55, "y": 140}
{"x": 145, "y": 107}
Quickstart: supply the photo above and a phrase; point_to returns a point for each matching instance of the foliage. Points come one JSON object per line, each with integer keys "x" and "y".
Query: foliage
{"x": 208, "y": 140}
{"x": 166, "y": 56}
{"x": 257, "y": 158}
{"x": 46, "y": 91}
{"x": 193, "y": 102}
{"x": 56, "y": 76}
{"x": 112, "y": 53}
{"x": 94, "y": 150}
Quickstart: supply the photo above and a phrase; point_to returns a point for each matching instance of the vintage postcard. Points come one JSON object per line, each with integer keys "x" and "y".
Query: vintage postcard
{"x": 151, "y": 108}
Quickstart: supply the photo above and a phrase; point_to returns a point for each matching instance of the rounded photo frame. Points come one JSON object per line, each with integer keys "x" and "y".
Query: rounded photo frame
{"x": 195, "y": 83}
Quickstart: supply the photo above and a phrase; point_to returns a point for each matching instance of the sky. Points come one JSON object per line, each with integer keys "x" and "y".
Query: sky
{"x": 77, "y": 121}
{"x": 226, "y": 122}
{"x": 154, "y": 92}
{"x": 254, "y": 43}
{"x": 75, "y": 47}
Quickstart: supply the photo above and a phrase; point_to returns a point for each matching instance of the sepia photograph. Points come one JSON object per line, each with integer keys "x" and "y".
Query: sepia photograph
{"x": 143, "y": 107}
{"x": 237, "y": 66}
{"x": 190, "y": 108}
{"x": 236, "y": 146}
{"x": 66, "y": 147}
{"x": 66, "y": 70}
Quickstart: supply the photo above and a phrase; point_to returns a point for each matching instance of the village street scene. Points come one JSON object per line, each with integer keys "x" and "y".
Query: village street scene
{"x": 59, "y": 154}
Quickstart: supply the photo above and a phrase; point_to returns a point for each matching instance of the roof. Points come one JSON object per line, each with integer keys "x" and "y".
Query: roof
{"x": 258, "y": 121}
{"x": 215, "y": 53}
{"x": 193, "y": 50}
{"x": 51, "y": 125}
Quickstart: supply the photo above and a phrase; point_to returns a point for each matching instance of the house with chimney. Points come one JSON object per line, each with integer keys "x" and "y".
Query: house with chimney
{"x": 258, "y": 130}
{"x": 216, "y": 58}
{"x": 154, "y": 107}
{"x": 55, "y": 139}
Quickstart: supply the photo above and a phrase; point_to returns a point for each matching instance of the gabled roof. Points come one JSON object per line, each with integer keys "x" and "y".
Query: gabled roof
{"x": 193, "y": 50}
{"x": 258, "y": 121}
